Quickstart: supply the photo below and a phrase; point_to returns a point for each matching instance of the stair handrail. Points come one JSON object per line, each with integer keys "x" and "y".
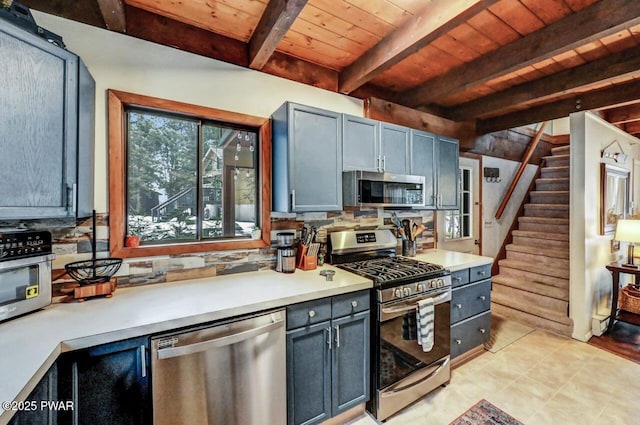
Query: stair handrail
{"x": 502, "y": 253}
{"x": 516, "y": 178}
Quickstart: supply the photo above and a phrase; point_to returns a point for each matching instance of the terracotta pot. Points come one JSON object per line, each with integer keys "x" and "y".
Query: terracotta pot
{"x": 132, "y": 241}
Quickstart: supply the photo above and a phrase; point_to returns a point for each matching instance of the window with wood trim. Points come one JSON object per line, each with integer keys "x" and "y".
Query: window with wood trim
{"x": 459, "y": 223}
{"x": 186, "y": 178}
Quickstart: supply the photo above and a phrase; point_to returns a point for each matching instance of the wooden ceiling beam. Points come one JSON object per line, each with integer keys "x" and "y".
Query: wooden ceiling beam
{"x": 619, "y": 94}
{"x": 113, "y": 14}
{"x": 274, "y": 24}
{"x": 632, "y": 128}
{"x": 435, "y": 20}
{"x": 625, "y": 63}
{"x": 623, "y": 114}
{"x": 595, "y": 22}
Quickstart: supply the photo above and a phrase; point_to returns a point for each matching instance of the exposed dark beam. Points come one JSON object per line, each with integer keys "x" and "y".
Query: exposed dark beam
{"x": 274, "y": 24}
{"x": 113, "y": 14}
{"x": 632, "y": 128}
{"x": 155, "y": 28}
{"x": 599, "y": 20}
{"x": 436, "y": 19}
{"x": 619, "y": 94}
{"x": 86, "y": 12}
{"x": 623, "y": 114}
{"x": 626, "y": 63}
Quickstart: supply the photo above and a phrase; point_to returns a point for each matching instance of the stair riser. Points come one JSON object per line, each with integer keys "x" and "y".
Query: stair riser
{"x": 531, "y": 320}
{"x": 560, "y": 307}
{"x": 508, "y": 272}
{"x": 562, "y": 150}
{"x": 538, "y": 227}
{"x": 540, "y": 250}
{"x": 533, "y": 210}
{"x": 552, "y": 174}
{"x": 537, "y": 269}
{"x": 539, "y": 260}
{"x": 549, "y": 198}
{"x": 557, "y": 162}
{"x": 519, "y": 240}
{"x": 553, "y": 185}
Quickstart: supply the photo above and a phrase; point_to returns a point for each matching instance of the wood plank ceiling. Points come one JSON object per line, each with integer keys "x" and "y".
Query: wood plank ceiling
{"x": 494, "y": 63}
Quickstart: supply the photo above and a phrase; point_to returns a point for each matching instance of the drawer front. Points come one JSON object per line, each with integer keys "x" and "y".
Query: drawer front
{"x": 308, "y": 313}
{"x": 479, "y": 273}
{"x": 346, "y": 304}
{"x": 461, "y": 277}
{"x": 470, "y": 333}
{"x": 470, "y": 300}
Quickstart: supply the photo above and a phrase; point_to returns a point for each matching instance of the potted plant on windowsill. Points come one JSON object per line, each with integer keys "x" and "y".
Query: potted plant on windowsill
{"x": 256, "y": 233}
{"x": 135, "y": 228}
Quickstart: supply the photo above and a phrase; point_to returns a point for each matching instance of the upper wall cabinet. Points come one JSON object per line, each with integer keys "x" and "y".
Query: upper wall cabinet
{"x": 307, "y": 159}
{"x": 371, "y": 145}
{"x": 360, "y": 144}
{"x": 47, "y": 98}
{"x": 436, "y": 158}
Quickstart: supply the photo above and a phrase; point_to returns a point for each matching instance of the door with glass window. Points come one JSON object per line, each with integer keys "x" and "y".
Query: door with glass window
{"x": 459, "y": 230}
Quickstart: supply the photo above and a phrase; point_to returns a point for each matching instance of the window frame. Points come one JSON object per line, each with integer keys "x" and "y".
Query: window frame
{"x": 459, "y": 212}
{"x": 117, "y": 102}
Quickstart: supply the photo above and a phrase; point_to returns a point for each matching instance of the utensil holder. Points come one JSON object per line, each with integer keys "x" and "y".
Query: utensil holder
{"x": 408, "y": 248}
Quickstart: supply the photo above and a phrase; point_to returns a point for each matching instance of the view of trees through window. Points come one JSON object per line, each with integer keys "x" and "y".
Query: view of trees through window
{"x": 458, "y": 223}
{"x": 189, "y": 179}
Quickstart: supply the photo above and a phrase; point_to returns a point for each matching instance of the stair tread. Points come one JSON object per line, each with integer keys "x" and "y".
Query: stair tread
{"x": 544, "y": 220}
{"x": 561, "y": 156}
{"x": 539, "y": 288}
{"x": 561, "y": 148}
{"x": 543, "y": 251}
{"x": 545, "y": 270}
{"x": 556, "y": 168}
{"x": 552, "y": 179}
{"x": 541, "y": 235}
{"x": 548, "y": 206}
{"x": 550, "y": 192}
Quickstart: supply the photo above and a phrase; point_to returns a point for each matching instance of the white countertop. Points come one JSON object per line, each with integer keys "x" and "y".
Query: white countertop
{"x": 30, "y": 345}
{"x": 453, "y": 260}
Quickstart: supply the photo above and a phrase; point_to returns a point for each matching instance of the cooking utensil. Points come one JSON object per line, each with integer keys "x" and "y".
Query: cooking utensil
{"x": 417, "y": 230}
{"x": 96, "y": 270}
{"x": 406, "y": 224}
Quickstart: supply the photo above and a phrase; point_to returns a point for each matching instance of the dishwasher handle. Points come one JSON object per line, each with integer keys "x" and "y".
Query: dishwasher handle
{"x": 167, "y": 353}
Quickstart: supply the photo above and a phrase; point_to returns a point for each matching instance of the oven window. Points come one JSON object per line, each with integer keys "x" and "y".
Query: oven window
{"x": 400, "y": 354}
{"x": 18, "y": 284}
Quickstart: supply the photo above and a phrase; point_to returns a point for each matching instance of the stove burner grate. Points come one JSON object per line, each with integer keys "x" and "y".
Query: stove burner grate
{"x": 391, "y": 268}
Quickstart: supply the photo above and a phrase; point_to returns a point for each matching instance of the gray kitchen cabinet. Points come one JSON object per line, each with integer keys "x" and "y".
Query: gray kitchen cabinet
{"x": 470, "y": 308}
{"x": 327, "y": 357}
{"x": 307, "y": 159}
{"x": 31, "y": 410}
{"x": 394, "y": 148}
{"x": 108, "y": 384}
{"x": 47, "y": 97}
{"x": 436, "y": 158}
{"x": 360, "y": 144}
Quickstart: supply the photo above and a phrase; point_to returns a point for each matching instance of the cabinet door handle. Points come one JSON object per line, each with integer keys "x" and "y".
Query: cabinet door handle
{"x": 293, "y": 199}
{"x": 458, "y": 305}
{"x": 337, "y": 336}
{"x": 143, "y": 361}
{"x": 482, "y": 272}
{"x": 329, "y": 340}
{"x": 354, "y": 303}
{"x": 312, "y": 313}
{"x": 458, "y": 341}
{"x": 482, "y": 297}
{"x": 378, "y": 163}
{"x": 457, "y": 279}
{"x": 384, "y": 162}
{"x": 71, "y": 197}
{"x": 482, "y": 330}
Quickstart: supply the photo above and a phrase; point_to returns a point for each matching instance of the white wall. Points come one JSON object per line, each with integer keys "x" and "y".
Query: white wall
{"x": 590, "y": 252}
{"x": 495, "y": 231}
{"x": 124, "y": 63}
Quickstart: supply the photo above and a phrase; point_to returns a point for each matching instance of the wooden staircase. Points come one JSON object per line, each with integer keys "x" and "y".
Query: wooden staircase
{"x": 532, "y": 286}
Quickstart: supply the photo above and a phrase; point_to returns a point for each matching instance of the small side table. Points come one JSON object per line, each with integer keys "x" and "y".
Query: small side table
{"x": 616, "y": 269}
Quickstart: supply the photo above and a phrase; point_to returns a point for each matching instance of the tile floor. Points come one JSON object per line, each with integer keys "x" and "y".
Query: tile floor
{"x": 539, "y": 379}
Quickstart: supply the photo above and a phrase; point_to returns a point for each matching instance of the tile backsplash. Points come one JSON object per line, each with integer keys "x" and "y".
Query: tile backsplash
{"x": 72, "y": 242}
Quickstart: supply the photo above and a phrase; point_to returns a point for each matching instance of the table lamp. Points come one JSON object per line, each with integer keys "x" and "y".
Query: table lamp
{"x": 628, "y": 231}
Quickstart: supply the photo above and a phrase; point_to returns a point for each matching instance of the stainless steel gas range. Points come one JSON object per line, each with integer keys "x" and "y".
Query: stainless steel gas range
{"x": 402, "y": 370}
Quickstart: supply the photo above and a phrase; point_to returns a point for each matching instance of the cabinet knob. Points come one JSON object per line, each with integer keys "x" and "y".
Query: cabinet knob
{"x": 482, "y": 330}
{"x": 482, "y": 272}
{"x": 482, "y": 297}
{"x": 458, "y": 305}
{"x": 458, "y": 341}
{"x": 312, "y": 313}
{"x": 354, "y": 303}
{"x": 457, "y": 278}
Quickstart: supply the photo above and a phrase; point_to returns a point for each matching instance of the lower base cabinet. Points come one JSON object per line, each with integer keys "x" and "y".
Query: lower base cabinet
{"x": 32, "y": 412}
{"x": 327, "y": 357}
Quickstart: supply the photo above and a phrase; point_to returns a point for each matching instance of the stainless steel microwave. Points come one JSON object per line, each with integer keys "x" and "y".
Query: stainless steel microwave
{"x": 368, "y": 189}
{"x": 25, "y": 272}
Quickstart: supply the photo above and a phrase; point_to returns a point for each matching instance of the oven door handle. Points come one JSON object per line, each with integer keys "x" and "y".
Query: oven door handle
{"x": 399, "y": 388}
{"x": 413, "y": 304}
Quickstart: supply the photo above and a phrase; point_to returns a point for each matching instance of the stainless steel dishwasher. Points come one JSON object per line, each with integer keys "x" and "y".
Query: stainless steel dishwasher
{"x": 232, "y": 373}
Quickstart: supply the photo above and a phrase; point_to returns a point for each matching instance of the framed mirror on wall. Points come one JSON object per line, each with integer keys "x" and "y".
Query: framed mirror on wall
{"x": 614, "y": 201}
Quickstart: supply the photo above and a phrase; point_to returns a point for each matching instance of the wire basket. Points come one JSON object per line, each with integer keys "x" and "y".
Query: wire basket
{"x": 88, "y": 272}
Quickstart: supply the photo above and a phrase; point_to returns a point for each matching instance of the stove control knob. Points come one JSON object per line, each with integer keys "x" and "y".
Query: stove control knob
{"x": 398, "y": 293}
{"x": 420, "y": 287}
{"x": 440, "y": 283}
{"x": 433, "y": 284}
{"x": 406, "y": 291}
